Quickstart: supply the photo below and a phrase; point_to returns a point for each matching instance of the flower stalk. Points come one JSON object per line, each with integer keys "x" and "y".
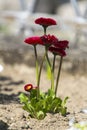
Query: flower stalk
{"x": 37, "y": 70}
{"x": 44, "y": 30}
{"x": 58, "y": 75}
{"x": 54, "y": 59}
{"x": 51, "y": 69}
{"x": 52, "y": 73}
{"x": 39, "y": 75}
{"x": 36, "y": 61}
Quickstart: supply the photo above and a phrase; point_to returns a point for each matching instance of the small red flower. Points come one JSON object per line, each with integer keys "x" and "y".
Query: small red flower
{"x": 62, "y": 44}
{"x": 49, "y": 40}
{"x": 28, "y": 87}
{"x": 33, "y": 40}
{"x": 57, "y": 51}
{"x": 45, "y": 21}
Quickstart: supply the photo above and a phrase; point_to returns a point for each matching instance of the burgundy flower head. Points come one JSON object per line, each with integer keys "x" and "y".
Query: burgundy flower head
{"x": 45, "y": 21}
{"x": 49, "y": 40}
{"x": 57, "y": 51}
{"x": 28, "y": 87}
{"x": 62, "y": 44}
{"x": 58, "y": 48}
{"x": 33, "y": 40}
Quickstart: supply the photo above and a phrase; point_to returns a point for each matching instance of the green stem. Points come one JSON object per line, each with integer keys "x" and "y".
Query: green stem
{"x": 36, "y": 61}
{"x": 52, "y": 73}
{"x": 39, "y": 75}
{"x": 54, "y": 58}
{"x": 51, "y": 68}
{"x": 44, "y": 30}
{"x": 52, "y": 80}
{"x": 47, "y": 58}
{"x": 58, "y": 75}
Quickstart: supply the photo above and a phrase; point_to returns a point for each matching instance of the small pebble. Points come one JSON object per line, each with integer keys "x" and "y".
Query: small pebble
{"x": 84, "y": 111}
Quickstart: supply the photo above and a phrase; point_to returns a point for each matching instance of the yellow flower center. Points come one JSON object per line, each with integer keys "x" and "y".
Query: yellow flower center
{"x": 28, "y": 87}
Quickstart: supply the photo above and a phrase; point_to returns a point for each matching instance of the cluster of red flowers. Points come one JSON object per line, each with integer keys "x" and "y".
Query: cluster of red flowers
{"x": 52, "y": 43}
{"x": 55, "y": 46}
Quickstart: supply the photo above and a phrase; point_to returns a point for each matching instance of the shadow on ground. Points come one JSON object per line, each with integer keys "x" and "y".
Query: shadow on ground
{"x": 3, "y": 125}
{"x": 7, "y": 86}
{"x": 6, "y": 99}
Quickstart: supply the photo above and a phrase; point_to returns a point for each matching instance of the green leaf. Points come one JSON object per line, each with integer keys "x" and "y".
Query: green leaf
{"x": 40, "y": 105}
{"x": 23, "y": 98}
{"x": 41, "y": 115}
{"x": 63, "y": 111}
{"x": 49, "y": 99}
{"x": 29, "y": 108}
{"x": 33, "y": 93}
{"x": 33, "y": 101}
{"x": 64, "y": 101}
{"x": 56, "y": 104}
{"x": 42, "y": 95}
{"x": 51, "y": 93}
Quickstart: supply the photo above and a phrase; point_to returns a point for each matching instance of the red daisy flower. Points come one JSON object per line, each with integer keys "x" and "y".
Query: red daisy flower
{"x": 49, "y": 40}
{"x": 28, "y": 87}
{"x": 62, "y": 44}
{"x": 33, "y": 40}
{"x": 58, "y": 48}
{"x": 57, "y": 51}
{"x": 45, "y": 21}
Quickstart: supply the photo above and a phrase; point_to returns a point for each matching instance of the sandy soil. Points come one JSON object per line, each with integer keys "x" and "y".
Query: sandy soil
{"x": 16, "y": 74}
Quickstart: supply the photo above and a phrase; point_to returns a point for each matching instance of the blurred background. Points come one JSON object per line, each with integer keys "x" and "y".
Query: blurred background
{"x": 17, "y": 22}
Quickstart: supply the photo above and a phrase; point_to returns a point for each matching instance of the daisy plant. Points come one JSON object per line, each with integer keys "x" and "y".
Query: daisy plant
{"x": 36, "y": 102}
